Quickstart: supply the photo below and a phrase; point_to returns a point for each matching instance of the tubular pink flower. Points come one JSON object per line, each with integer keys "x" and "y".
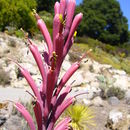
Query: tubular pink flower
{"x": 39, "y": 62}
{"x": 67, "y": 76}
{"x": 63, "y": 94}
{"x": 56, "y": 28}
{"x": 63, "y": 125}
{"x": 50, "y": 86}
{"x": 45, "y": 33}
{"x": 61, "y": 97}
{"x": 57, "y": 8}
{"x": 70, "y": 13}
{"x": 59, "y": 44}
{"x": 46, "y": 57}
{"x": 74, "y": 26}
{"x": 59, "y": 110}
{"x": 38, "y": 114}
{"x": 31, "y": 82}
{"x": 68, "y": 47}
{"x": 62, "y": 7}
{"x": 26, "y": 115}
{"x": 59, "y": 100}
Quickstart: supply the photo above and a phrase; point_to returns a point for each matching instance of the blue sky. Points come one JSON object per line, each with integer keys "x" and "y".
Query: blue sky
{"x": 125, "y": 6}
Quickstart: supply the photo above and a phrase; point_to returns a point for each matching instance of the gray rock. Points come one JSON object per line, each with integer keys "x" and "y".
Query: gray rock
{"x": 66, "y": 65}
{"x": 114, "y": 120}
{"x": 122, "y": 81}
{"x": 31, "y": 68}
{"x": 115, "y": 116}
{"x": 77, "y": 79}
{"x": 113, "y": 101}
{"x": 119, "y": 72}
{"x": 13, "y": 123}
{"x": 87, "y": 102}
{"x": 97, "y": 101}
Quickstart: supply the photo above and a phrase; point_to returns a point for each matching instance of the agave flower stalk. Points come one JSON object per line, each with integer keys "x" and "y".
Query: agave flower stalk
{"x": 50, "y": 101}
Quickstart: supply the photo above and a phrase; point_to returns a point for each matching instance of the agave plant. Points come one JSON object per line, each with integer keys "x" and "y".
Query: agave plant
{"x": 81, "y": 115}
{"x": 49, "y": 101}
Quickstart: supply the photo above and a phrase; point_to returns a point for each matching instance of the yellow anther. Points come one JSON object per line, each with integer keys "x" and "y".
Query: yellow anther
{"x": 53, "y": 60}
{"x": 34, "y": 11}
{"x": 75, "y": 33}
{"x": 64, "y": 22}
{"x": 54, "y": 55}
{"x": 61, "y": 18}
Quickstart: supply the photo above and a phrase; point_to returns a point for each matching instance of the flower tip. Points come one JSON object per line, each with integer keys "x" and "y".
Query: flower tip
{"x": 74, "y": 99}
{"x": 34, "y": 11}
{"x": 73, "y": 1}
{"x": 35, "y": 14}
{"x": 61, "y": 18}
{"x": 80, "y": 15}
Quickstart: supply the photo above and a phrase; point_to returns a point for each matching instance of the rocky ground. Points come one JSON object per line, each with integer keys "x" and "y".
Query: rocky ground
{"x": 107, "y": 89}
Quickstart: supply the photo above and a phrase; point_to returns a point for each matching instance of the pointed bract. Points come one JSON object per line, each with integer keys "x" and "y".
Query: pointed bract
{"x": 26, "y": 115}
{"x": 44, "y": 31}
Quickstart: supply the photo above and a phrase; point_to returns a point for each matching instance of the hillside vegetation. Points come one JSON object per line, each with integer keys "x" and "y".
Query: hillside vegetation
{"x": 118, "y": 57}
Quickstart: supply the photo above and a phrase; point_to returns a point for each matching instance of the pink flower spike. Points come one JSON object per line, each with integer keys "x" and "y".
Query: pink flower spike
{"x": 59, "y": 44}
{"x": 45, "y": 33}
{"x": 29, "y": 79}
{"x": 57, "y": 8}
{"x": 74, "y": 26}
{"x": 39, "y": 62}
{"x": 56, "y": 28}
{"x": 69, "y": 46}
{"x": 46, "y": 57}
{"x": 63, "y": 125}
{"x": 61, "y": 98}
{"x": 62, "y": 7}
{"x": 26, "y": 115}
{"x": 51, "y": 76}
{"x": 70, "y": 13}
{"x": 67, "y": 76}
{"x": 59, "y": 110}
{"x": 31, "y": 82}
{"x": 38, "y": 114}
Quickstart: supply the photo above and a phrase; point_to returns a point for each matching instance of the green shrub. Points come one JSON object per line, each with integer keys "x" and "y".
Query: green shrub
{"x": 81, "y": 40}
{"x": 12, "y": 43}
{"x": 125, "y": 65}
{"x": 19, "y": 33}
{"x": 117, "y": 92}
{"x": 17, "y": 14}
